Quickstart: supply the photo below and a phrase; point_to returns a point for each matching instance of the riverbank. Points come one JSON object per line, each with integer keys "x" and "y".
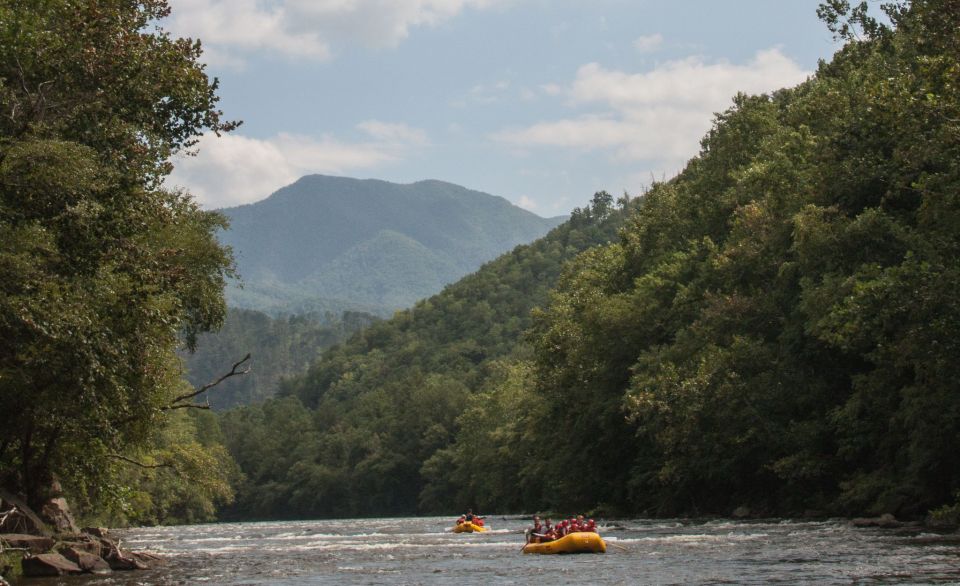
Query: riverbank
{"x": 50, "y": 544}
{"x": 91, "y": 551}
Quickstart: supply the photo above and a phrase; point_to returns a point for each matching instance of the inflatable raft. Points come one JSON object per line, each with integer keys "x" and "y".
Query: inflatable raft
{"x": 469, "y": 528}
{"x": 577, "y": 542}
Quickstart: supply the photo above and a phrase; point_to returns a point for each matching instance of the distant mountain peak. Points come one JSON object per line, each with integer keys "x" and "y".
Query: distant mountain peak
{"x": 315, "y": 242}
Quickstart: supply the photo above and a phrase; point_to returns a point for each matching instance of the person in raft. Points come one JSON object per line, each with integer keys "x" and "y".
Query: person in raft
{"x": 541, "y": 533}
{"x": 469, "y": 517}
{"x": 534, "y": 533}
{"x": 549, "y": 531}
{"x": 580, "y": 524}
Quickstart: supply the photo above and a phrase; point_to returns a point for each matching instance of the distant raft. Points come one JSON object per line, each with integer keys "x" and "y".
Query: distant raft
{"x": 577, "y": 542}
{"x": 469, "y": 527}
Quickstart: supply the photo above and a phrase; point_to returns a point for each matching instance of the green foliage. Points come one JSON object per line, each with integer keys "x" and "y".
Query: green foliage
{"x": 279, "y": 347}
{"x": 101, "y": 270}
{"x": 183, "y": 475}
{"x": 776, "y": 327}
{"x": 333, "y": 244}
{"x": 469, "y": 471}
{"x": 362, "y": 431}
{"x": 11, "y": 566}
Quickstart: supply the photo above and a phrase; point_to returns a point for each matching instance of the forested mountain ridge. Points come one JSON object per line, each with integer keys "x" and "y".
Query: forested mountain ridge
{"x": 776, "y": 328}
{"x": 278, "y": 347}
{"x": 351, "y": 435}
{"x": 332, "y": 244}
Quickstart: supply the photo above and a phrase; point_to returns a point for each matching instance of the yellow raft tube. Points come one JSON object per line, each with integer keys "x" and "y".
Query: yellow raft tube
{"x": 468, "y": 527}
{"x": 577, "y": 542}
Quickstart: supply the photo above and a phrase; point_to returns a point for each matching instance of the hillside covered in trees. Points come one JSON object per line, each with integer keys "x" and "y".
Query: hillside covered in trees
{"x": 775, "y": 328}
{"x": 279, "y": 347}
{"x": 332, "y": 244}
{"x": 351, "y": 435}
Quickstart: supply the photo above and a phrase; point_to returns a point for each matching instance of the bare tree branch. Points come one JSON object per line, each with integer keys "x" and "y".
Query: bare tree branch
{"x": 187, "y": 406}
{"x": 3, "y": 517}
{"x": 141, "y": 464}
{"x": 178, "y": 402}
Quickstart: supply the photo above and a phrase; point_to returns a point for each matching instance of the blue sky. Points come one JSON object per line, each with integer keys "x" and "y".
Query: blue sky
{"x": 542, "y": 102}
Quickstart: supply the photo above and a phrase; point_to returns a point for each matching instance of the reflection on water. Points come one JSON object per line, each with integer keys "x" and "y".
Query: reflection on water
{"x": 425, "y": 551}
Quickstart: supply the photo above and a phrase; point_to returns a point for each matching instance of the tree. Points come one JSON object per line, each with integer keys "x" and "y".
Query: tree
{"x": 102, "y": 270}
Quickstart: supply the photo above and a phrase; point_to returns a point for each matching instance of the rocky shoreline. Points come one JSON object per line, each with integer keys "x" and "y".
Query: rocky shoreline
{"x": 88, "y": 552}
{"x": 50, "y": 544}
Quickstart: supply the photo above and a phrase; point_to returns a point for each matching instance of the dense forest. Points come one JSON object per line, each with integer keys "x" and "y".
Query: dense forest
{"x": 103, "y": 271}
{"x": 279, "y": 347}
{"x": 774, "y": 328}
{"x": 351, "y": 435}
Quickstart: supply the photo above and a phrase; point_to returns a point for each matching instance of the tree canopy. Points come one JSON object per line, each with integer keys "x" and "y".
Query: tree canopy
{"x": 362, "y": 431}
{"x": 102, "y": 269}
{"x": 776, "y": 327}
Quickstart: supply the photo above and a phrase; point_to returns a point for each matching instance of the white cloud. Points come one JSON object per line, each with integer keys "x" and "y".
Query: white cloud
{"x": 244, "y": 25}
{"x": 486, "y": 93}
{"x": 688, "y": 83}
{"x": 234, "y": 169}
{"x": 527, "y": 203}
{"x": 648, "y": 43}
{"x": 306, "y": 28}
{"x": 657, "y": 116}
{"x": 552, "y": 89}
{"x": 392, "y": 133}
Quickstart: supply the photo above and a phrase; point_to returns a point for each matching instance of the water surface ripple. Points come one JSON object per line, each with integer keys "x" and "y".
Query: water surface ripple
{"x": 424, "y": 551}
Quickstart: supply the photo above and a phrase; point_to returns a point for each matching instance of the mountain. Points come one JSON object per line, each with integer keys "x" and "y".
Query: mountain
{"x": 333, "y": 244}
{"x": 361, "y": 430}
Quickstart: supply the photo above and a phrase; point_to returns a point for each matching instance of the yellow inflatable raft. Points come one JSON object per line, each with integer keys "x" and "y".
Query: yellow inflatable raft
{"x": 577, "y": 542}
{"x": 469, "y": 528}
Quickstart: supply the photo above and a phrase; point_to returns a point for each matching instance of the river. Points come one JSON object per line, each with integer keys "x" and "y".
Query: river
{"x": 424, "y": 551}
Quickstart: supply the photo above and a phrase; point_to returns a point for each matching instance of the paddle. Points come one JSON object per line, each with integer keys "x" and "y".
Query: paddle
{"x": 528, "y": 537}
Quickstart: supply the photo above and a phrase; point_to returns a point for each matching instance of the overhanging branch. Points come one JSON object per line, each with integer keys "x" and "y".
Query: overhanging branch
{"x": 179, "y": 402}
{"x": 141, "y": 464}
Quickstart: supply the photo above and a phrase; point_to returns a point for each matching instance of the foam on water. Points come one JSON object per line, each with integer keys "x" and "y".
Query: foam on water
{"x": 424, "y": 551}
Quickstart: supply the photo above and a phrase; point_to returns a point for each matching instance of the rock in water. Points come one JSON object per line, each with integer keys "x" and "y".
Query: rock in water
{"x": 884, "y": 521}
{"x": 48, "y": 564}
{"x": 95, "y": 531}
{"x": 32, "y": 543}
{"x": 86, "y": 561}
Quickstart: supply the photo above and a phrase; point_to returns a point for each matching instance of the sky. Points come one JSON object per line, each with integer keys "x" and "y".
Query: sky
{"x": 542, "y": 102}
